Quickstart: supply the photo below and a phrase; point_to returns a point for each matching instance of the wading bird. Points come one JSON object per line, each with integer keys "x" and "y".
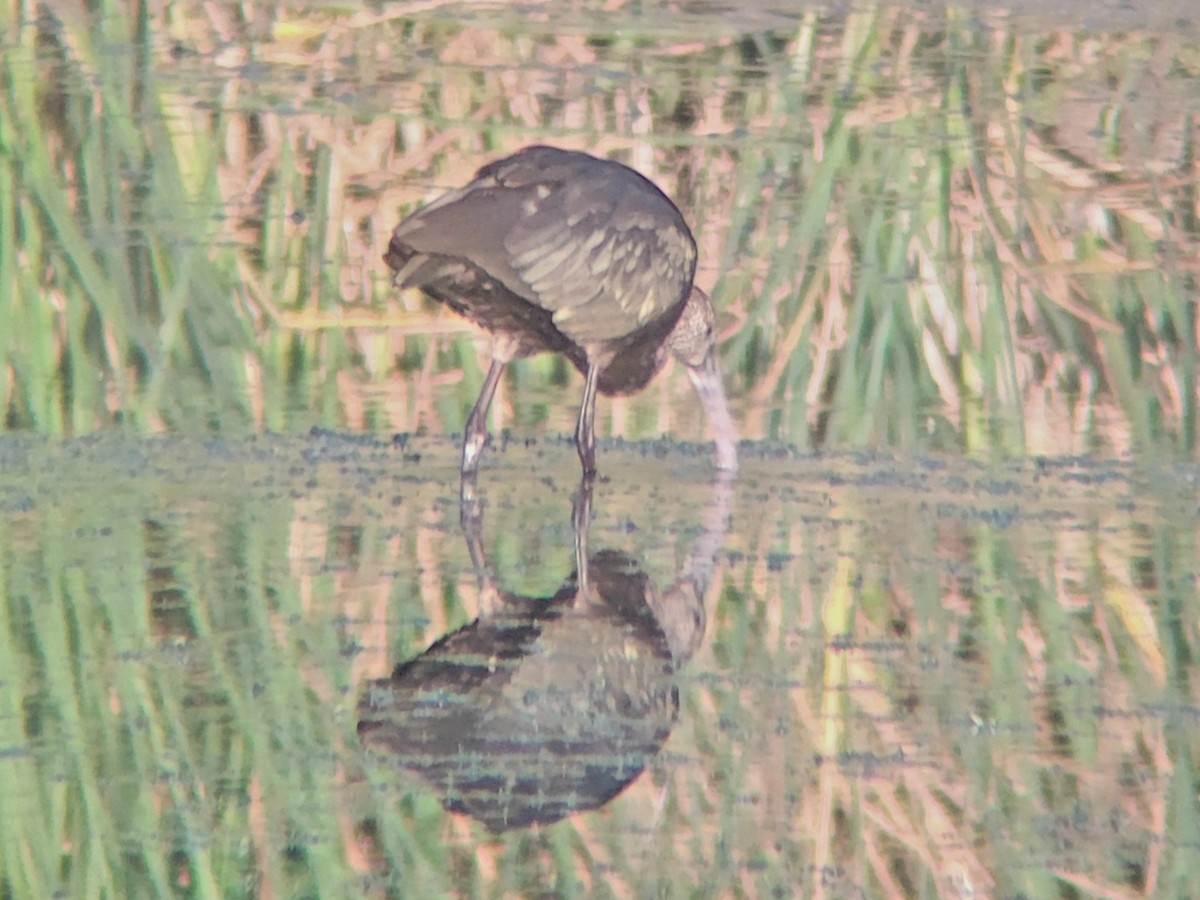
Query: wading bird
{"x": 557, "y": 251}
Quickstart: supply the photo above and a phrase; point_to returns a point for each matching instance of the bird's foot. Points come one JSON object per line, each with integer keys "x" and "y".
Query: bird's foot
{"x": 473, "y": 446}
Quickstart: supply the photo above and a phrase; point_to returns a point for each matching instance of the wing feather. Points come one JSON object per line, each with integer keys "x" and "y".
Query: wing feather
{"x": 604, "y": 262}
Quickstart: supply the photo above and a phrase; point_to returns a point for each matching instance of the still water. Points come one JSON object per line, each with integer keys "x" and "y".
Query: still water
{"x": 936, "y": 639}
{"x": 845, "y": 675}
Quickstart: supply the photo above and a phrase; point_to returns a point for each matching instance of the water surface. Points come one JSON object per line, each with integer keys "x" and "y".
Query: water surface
{"x": 912, "y": 676}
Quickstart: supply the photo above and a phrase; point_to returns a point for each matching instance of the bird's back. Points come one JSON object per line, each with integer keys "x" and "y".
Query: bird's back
{"x": 558, "y": 249}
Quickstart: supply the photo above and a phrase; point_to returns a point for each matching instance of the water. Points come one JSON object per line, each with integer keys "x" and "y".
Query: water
{"x": 917, "y": 675}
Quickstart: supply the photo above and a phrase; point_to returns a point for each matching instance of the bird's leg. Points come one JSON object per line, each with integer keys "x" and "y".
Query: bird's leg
{"x": 476, "y": 435}
{"x": 470, "y": 507}
{"x": 585, "y": 431}
{"x": 470, "y": 517}
{"x": 581, "y": 518}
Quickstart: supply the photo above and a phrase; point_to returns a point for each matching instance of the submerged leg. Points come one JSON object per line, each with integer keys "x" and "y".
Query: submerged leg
{"x": 476, "y": 435}
{"x": 585, "y": 431}
{"x": 470, "y": 516}
{"x": 581, "y": 520}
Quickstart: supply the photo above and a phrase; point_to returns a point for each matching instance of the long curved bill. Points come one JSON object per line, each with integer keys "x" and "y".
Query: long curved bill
{"x": 711, "y": 387}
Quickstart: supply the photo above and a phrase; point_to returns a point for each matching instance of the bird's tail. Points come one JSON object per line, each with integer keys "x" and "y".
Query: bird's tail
{"x": 404, "y": 261}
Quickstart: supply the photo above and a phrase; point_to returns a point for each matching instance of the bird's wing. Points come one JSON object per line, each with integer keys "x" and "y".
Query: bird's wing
{"x": 466, "y": 224}
{"x": 597, "y": 246}
{"x": 604, "y": 262}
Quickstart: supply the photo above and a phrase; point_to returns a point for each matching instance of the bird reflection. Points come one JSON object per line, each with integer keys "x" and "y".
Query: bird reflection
{"x": 547, "y": 705}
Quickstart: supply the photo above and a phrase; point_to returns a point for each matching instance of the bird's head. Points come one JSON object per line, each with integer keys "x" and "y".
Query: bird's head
{"x": 693, "y": 341}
